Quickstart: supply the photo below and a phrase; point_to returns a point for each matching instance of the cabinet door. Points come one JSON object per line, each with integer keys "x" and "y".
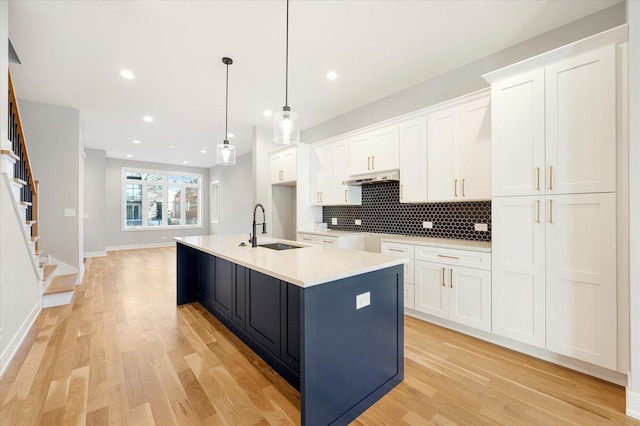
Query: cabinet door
{"x": 276, "y": 167}
{"x": 324, "y": 175}
{"x": 443, "y": 155}
{"x": 409, "y": 296}
{"x": 223, "y": 286}
{"x": 518, "y": 268}
{"x": 263, "y": 310}
{"x": 360, "y": 154}
{"x": 386, "y": 150}
{"x": 289, "y": 165}
{"x": 470, "y": 297}
{"x": 432, "y": 292}
{"x": 581, "y": 123}
{"x": 413, "y": 161}
{"x": 517, "y": 135}
{"x": 292, "y": 320}
{"x": 239, "y": 296}
{"x": 475, "y": 149}
{"x": 343, "y": 194}
{"x": 581, "y": 277}
{"x": 205, "y": 279}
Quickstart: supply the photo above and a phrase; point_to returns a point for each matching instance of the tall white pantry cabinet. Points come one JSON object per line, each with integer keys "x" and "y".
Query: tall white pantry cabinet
{"x": 554, "y": 183}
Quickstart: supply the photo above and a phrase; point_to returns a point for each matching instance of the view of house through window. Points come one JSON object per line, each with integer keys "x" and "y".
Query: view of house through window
{"x": 156, "y": 199}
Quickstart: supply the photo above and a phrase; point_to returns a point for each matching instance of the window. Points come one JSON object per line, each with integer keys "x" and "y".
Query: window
{"x": 161, "y": 200}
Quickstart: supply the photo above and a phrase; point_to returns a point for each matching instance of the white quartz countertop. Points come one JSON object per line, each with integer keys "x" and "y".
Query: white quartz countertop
{"x": 304, "y": 267}
{"x": 440, "y": 242}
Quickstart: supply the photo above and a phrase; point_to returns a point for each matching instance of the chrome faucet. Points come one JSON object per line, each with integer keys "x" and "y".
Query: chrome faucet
{"x": 254, "y": 238}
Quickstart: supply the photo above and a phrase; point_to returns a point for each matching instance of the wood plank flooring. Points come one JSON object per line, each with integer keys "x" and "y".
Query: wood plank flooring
{"x": 123, "y": 354}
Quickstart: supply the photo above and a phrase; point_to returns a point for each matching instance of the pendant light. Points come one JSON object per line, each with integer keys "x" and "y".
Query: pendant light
{"x": 225, "y": 152}
{"x": 286, "y": 129}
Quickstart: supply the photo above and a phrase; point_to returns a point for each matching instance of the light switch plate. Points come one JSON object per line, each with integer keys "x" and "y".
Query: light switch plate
{"x": 334, "y": 220}
{"x": 481, "y": 227}
{"x": 69, "y": 212}
{"x": 358, "y": 222}
{"x": 427, "y": 225}
{"x": 363, "y": 300}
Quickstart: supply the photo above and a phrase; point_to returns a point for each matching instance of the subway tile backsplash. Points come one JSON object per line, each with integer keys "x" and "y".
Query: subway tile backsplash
{"x": 382, "y": 212}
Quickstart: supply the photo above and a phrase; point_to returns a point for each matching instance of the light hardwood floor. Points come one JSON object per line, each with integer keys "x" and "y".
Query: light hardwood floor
{"x": 123, "y": 354}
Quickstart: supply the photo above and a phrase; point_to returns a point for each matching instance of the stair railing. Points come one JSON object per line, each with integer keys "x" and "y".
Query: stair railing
{"x": 22, "y": 169}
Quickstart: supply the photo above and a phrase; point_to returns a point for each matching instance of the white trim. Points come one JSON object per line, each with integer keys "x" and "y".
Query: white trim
{"x": 214, "y": 201}
{"x": 88, "y": 254}
{"x": 633, "y": 404}
{"x": 57, "y": 299}
{"x": 140, "y": 246}
{"x": 543, "y": 354}
{"x": 80, "y": 274}
{"x": 18, "y": 338}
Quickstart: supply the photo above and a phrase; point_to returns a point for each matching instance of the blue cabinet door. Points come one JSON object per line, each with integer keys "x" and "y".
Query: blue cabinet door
{"x": 223, "y": 286}
{"x": 264, "y": 310}
{"x": 205, "y": 267}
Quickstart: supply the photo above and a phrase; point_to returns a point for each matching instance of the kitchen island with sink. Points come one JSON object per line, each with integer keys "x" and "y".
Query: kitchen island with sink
{"x": 329, "y": 321}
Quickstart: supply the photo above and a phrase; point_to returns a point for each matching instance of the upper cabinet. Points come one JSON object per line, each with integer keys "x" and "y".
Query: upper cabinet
{"x": 284, "y": 166}
{"x": 331, "y": 164}
{"x": 413, "y": 160}
{"x": 459, "y": 151}
{"x": 374, "y": 151}
{"x": 554, "y": 128}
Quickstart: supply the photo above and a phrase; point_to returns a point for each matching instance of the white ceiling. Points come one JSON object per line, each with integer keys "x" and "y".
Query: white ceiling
{"x": 72, "y": 53}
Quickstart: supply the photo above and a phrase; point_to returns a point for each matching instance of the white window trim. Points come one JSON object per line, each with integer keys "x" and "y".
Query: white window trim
{"x": 165, "y": 201}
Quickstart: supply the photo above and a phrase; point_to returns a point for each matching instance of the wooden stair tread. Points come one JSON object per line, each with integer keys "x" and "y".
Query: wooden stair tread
{"x": 48, "y": 271}
{"x": 42, "y": 264}
{"x": 61, "y": 284}
{"x": 35, "y": 238}
{"x": 30, "y": 222}
{"x": 10, "y": 154}
{"x": 19, "y": 181}
{"x": 25, "y": 203}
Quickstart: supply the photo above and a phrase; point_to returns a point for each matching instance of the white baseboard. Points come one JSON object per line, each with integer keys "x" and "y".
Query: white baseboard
{"x": 17, "y": 340}
{"x": 88, "y": 254}
{"x": 80, "y": 274}
{"x": 141, "y": 246}
{"x": 633, "y": 404}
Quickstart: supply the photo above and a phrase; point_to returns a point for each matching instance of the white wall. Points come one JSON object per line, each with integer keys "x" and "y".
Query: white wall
{"x": 95, "y": 218}
{"x": 236, "y": 196}
{"x": 52, "y": 134}
{"x": 633, "y": 389}
{"x": 4, "y": 67}
{"x": 262, "y": 145}
{"x": 116, "y": 237}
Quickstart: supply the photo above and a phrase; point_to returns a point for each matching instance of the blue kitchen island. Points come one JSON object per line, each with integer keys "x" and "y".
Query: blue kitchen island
{"x": 329, "y": 321}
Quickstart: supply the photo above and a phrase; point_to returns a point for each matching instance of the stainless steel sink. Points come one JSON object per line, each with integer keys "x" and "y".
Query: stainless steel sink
{"x": 278, "y": 246}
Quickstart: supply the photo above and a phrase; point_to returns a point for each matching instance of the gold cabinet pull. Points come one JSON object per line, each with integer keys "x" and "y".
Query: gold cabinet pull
{"x": 537, "y": 178}
{"x": 463, "y": 187}
{"x": 538, "y": 209}
{"x": 448, "y": 257}
{"x": 401, "y": 191}
{"x": 550, "y": 178}
{"x": 550, "y": 211}
{"x": 455, "y": 187}
{"x": 395, "y": 249}
{"x": 321, "y": 196}
{"x": 373, "y": 162}
{"x": 443, "y": 285}
{"x": 451, "y": 278}
{"x": 368, "y": 163}
{"x": 345, "y": 195}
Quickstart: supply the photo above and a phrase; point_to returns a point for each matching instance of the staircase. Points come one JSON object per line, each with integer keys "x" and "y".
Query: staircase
{"x": 56, "y": 290}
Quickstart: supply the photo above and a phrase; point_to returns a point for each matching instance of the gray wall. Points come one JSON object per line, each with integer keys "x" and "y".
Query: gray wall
{"x": 236, "y": 196}
{"x": 463, "y": 80}
{"x": 95, "y": 231}
{"x": 53, "y": 140}
{"x": 116, "y": 237}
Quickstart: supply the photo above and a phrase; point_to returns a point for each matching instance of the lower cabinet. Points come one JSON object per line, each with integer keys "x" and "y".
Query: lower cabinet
{"x": 223, "y": 285}
{"x": 353, "y": 241}
{"x": 450, "y": 289}
{"x": 403, "y": 250}
{"x": 264, "y": 306}
{"x": 205, "y": 279}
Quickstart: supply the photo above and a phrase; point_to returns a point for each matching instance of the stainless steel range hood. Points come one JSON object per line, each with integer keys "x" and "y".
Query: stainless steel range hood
{"x": 390, "y": 176}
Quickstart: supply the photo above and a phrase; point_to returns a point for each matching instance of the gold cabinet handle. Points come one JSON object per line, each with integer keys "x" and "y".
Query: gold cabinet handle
{"x": 443, "y": 285}
{"x": 538, "y": 209}
{"x": 394, "y": 249}
{"x": 321, "y": 194}
{"x": 448, "y": 257}
{"x": 455, "y": 187}
{"x": 328, "y": 241}
{"x": 345, "y": 195}
{"x": 550, "y": 178}
{"x": 451, "y": 278}
{"x": 306, "y": 239}
{"x": 537, "y": 178}
{"x": 368, "y": 163}
{"x": 550, "y": 211}
{"x": 401, "y": 191}
{"x": 463, "y": 187}
{"x": 373, "y": 162}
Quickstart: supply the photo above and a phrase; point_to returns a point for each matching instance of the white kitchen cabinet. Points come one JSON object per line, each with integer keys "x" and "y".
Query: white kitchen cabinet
{"x": 459, "y": 151}
{"x": 581, "y": 302}
{"x": 404, "y": 250}
{"x": 518, "y": 268}
{"x": 554, "y": 128}
{"x": 374, "y": 151}
{"x": 353, "y": 241}
{"x": 452, "y": 290}
{"x": 283, "y": 166}
{"x": 331, "y": 167}
{"x": 308, "y": 238}
{"x": 413, "y": 161}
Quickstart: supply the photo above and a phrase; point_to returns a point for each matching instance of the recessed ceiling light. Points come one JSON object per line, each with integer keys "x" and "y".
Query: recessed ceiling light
{"x": 185, "y": 162}
{"x": 332, "y": 75}
{"x": 172, "y": 146}
{"x": 267, "y": 113}
{"x": 204, "y": 151}
{"x": 127, "y": 74}
{"x": 229, "y": 135}
{"x": 129, "y": 155}
{"x": 148, "y": 118}
{"x": 136, "y": 141}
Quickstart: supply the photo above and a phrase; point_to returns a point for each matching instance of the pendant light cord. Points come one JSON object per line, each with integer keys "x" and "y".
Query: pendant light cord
{"x": 226, "y": 108}
{"x": 286, "y": 74}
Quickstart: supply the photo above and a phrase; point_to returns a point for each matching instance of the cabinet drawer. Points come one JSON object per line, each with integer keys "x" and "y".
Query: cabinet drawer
{"x": 397, "y": 249}
{"x": 308, "y": 238}
{"x": 329, "y": 241}
{"x": 471, "y": 259}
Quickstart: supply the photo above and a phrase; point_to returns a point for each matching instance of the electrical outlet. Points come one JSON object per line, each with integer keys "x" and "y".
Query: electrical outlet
{"x": 483, "y": 227}
{"x": 363, "y": 300}
{"x": 358, "y": 222}
{"x": 427, "y": 225}
{"x": 334, "y": 220}
{"x": 69, "y": 212}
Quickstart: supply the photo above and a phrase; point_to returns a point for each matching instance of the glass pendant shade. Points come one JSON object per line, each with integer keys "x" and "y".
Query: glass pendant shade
{"x": 286, "y": 128}
{"x": 226, "y": 154}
